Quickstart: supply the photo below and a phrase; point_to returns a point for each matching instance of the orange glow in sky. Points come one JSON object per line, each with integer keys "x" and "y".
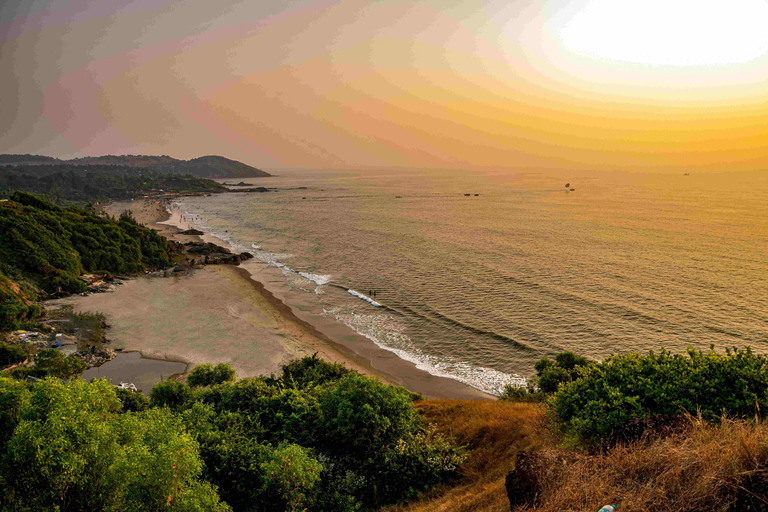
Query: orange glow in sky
{"x": 594, "y": 84}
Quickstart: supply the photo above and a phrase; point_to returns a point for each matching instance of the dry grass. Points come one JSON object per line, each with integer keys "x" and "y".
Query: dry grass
{"x": 705, "y": 468}
{"x": 493, "y": 433}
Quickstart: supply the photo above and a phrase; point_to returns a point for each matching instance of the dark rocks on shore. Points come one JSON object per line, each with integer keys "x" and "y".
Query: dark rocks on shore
{"x": 205, "y": 248}
{"x": 212, "y": 254}
{"x": 191, "y": 232}
{"x": 254, "y": 189}
{"x": 93, "y": 357}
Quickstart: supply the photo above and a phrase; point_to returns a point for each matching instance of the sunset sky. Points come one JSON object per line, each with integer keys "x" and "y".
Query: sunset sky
{"x": 600, "y": 84}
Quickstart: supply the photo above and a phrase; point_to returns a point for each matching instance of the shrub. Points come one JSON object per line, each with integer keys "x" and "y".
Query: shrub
{"x": 565, "y": 368}
{"x": 208, "y": 375}
{"x": 10, "y": 355}
{"x": 552, "y": 377}
{"x": 609, "y": 394}
{"x": 171, "y": 394}
{"x": 529, "y": 393}
{"x": 133, "y": 401}
{"x": 415, "y": 463}
{"x": 290, "y": 478}
{"x": 50, "y": 362}
{"x": 360, "y": 417}
{"x": 310, "y": 371}
{"x": 324, "y": 438}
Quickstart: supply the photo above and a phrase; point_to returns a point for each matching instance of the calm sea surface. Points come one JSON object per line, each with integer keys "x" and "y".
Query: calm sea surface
{"x": 480, "y": 286}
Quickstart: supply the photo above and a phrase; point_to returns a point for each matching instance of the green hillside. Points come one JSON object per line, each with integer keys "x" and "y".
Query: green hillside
{"x": 69, "y": 183}
{"x": 45, "y": 248}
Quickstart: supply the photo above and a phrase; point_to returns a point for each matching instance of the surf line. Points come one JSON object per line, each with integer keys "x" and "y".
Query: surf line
{"x": 364, "y": 297}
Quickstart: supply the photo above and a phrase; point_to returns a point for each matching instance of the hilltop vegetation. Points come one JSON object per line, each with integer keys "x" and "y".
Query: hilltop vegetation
{"x": 67, "y": 183}
{"x": 332, "y": 441}
{"x": 44, "y": 249}
{"x": 210, "y": 166}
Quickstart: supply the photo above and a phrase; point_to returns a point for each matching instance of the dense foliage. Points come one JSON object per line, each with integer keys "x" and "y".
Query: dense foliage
{"x": 565, "y": 368}
{"x": 10, "y": 355}
{"x": 209, "y": 375}
{"x": 68, "y": 447}
{"x": 608, "y": 395}
{"x": 88, "y": 183}
{"x": 549, "y": 376}
{"x": 264, "y": 444}
{"x": 45, "y": 248}
{"x": 50, "y": 362}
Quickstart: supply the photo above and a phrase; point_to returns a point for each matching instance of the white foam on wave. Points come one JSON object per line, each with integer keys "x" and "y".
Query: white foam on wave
{"x": 388, "y": 333}
{"x": 318, "y": 279}
{"x": 293, "y": 277}
{"x": 364, "y": 297}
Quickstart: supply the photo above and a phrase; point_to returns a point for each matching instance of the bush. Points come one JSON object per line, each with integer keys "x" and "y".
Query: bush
{"x": 609, "y": 394}
{"x": 10, "y": 355}
{"x": 290, "y": 478}
{"x": 552, "y": 377}
{"x": 171, "y": 394}
{"x": 49, "y": 362}
{"x": 415, "y": 463}
{"x": 529, "y": 393}
{"x": 207, "y": 375}
{"x": 310, "y": 371}
{"x": 133, "y": 401}
{"x": 361, "y": 417}
{"x": 565, "y": 368}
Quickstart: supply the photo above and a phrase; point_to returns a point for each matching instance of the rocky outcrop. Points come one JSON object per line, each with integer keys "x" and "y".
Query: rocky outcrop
{"x": 94, "y": 357}
{"x": 212, "y": 254}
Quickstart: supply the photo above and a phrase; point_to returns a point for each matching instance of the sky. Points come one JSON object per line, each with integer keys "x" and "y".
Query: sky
{"x": 587, "y": 84}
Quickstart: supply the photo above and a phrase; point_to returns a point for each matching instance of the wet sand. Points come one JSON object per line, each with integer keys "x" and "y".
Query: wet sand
{"x": 219, "y": 313}
{"x": 131, "y": 367}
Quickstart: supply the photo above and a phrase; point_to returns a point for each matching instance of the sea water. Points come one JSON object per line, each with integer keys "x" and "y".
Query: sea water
{"x": 477, "y": 275}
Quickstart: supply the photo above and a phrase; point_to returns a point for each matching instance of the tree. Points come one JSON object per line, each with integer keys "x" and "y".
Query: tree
{"x": 70, "y": 449}
{"x": 360, "y": 417}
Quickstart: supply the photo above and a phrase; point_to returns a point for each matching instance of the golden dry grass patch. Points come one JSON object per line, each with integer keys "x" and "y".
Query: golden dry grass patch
{"x": 492, "y": 432}
{"x": 705, "y": 468}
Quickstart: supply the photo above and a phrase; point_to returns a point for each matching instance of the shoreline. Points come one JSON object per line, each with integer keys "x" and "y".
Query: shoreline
{"x": 298, "y": 335}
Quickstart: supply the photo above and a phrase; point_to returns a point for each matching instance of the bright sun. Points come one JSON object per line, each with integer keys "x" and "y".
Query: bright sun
{"x": 669, "y": 32}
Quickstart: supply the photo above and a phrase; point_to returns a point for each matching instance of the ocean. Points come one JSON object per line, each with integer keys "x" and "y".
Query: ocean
{"x": 477, "y": 275}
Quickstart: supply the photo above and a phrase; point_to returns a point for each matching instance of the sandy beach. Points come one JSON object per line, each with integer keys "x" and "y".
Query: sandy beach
{"x": 219, "y": 313}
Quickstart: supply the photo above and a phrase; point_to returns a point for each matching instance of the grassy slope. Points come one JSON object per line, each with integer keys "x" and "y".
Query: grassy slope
{"x": 720, "y": 467}
{"x": 493, "y": 432}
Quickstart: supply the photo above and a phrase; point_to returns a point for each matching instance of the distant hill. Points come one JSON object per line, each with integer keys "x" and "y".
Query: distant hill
{"x": 28, "y": 160}
{"x": 71, "y": 183}
{"x": 211, "y": 166}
